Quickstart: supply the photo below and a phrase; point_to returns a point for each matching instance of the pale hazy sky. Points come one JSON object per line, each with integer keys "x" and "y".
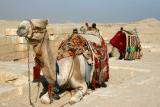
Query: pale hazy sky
{"x": 80, "y": 10}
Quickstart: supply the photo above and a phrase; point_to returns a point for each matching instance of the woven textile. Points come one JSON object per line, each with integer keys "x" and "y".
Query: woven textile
{"x": 119, "y": 41}
{"x": 133, "y": 48}
{"x": 101, "y": 72}
{"x": 74, "y": 45}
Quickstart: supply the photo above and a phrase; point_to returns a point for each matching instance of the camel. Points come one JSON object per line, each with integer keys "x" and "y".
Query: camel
{"x": 71, "y": 69}
{"x": 127, "y": 43}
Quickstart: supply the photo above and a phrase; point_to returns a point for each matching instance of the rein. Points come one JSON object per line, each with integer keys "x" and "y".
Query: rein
{"x": 29, "y": 84}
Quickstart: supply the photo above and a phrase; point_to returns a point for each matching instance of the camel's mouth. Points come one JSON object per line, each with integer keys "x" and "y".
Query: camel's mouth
{"x": 22, "y": 32}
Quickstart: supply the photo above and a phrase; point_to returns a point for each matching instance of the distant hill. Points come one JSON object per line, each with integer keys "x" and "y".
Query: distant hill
{"x": 150, "y": 22}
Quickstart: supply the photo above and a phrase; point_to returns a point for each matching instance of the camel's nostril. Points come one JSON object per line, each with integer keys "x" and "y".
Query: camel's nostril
{"x": 18, "y": 33}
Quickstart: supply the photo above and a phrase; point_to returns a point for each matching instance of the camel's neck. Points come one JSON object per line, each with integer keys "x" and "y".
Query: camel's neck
{"x": 45, "y": 56}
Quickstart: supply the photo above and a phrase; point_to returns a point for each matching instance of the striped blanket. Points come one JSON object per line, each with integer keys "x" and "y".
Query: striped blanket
{"x": 133, "y": 46}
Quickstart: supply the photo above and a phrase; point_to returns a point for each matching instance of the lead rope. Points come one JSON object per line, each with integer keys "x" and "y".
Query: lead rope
{"x": 29, "y": 84}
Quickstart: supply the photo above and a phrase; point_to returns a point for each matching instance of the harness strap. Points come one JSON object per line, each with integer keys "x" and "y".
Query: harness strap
{"x": 32, "y": 27}
{"x": 69, "y": 76}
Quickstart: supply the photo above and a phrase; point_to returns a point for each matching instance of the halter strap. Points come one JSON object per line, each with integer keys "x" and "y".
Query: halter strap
{"x": 32, "y": 27}
{"x": 35, "y": 30}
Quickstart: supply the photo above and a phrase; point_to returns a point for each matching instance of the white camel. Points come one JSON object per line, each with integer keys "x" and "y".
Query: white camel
{"x": 71, "y": 70}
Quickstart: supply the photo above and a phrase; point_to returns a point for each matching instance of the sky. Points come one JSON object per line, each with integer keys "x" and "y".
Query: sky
{"x": 60, "y": 11}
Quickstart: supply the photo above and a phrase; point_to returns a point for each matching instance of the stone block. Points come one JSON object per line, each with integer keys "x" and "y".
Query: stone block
{"x": 10, "y": 32}
{"x": 21, "y": 47}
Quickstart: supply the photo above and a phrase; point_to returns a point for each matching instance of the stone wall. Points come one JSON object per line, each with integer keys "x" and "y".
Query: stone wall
{"x": 12, "y": 47}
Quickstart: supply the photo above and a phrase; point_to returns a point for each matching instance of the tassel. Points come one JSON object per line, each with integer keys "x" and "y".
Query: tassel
{"x": 50, "y": 86}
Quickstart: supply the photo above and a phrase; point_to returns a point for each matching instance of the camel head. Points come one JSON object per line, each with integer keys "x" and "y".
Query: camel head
{"x": 32, "y": 29}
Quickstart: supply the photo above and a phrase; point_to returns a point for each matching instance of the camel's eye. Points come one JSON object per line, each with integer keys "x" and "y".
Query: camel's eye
{"x": 22, "y": 28}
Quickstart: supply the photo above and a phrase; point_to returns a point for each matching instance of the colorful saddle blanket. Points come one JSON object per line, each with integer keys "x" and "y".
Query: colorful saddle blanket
{"x": 133, "y": 46}
{"x": 96, "y": 49}
{"x": 74, "y": 45}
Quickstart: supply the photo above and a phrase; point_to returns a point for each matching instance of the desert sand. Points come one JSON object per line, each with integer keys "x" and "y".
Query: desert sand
{"x": 132, "y": 83}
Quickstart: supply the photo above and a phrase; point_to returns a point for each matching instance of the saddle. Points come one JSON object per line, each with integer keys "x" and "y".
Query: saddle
{"x": 94, "y": 49}
{"x": 133, "y": 46}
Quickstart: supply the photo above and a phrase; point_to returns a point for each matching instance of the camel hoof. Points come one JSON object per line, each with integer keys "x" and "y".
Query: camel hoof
{"x": 45, "y": 99}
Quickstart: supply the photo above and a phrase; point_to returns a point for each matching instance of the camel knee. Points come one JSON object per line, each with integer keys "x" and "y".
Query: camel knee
{"x": 79, "y": 85}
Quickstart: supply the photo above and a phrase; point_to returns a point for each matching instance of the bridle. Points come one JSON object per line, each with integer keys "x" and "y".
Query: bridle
{"x": 30, "y": 39}
{"x": 35, "y": 29}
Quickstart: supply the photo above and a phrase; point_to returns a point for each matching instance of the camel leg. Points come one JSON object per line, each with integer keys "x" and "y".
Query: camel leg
{"x": 48, "y": 97}
{"x": 77, "y": 83}
{"x": 52, "y": 92}
{"x": 111, "y": 54}
{"x": 80, "y": 89}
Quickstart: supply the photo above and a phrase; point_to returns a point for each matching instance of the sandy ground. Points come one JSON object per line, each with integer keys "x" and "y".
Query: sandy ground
{"x": 132, "y": 83}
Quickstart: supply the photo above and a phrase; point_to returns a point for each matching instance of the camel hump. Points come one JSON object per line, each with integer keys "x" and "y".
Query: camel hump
{"x": 41, "y": 23}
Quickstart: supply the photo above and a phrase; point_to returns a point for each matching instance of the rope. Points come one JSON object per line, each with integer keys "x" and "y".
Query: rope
{"x": 29, "y": 84}
{"x": 38, "y": 85}
{"x": 69, "y": 76}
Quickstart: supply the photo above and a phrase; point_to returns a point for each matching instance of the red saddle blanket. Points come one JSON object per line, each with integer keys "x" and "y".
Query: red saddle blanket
{"x": 119, "y": 41}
